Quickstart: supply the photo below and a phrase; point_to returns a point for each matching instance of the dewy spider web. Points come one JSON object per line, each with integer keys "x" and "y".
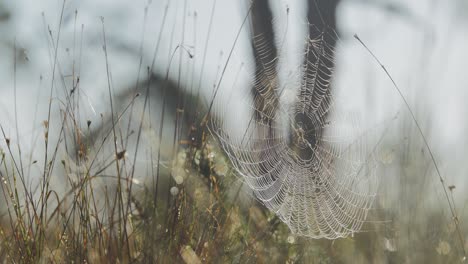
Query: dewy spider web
{"x": 304, "y": 160}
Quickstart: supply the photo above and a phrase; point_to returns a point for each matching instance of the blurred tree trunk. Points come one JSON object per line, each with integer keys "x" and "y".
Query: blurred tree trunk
{"x": 322, "y": 14}
{"x": 263, "y": 41}
{"x": 319, "y": 62}
{"x": 322, "y": 25}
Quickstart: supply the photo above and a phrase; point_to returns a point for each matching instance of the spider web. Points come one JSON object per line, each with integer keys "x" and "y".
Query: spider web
{"x": 304, "y": 159}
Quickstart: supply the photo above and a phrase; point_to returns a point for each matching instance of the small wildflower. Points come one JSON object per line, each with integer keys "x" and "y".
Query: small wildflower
{"x": 443, "y": 248}
{"x": 174, "y": 191}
